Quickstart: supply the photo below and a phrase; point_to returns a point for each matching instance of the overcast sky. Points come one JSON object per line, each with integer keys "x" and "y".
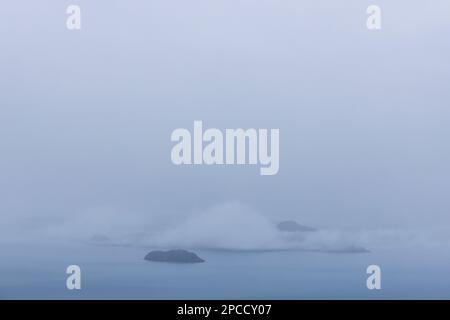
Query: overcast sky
{"x": 86, "y": 116}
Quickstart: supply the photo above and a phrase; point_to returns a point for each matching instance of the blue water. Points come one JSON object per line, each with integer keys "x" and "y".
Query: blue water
{"x": 38, "y": 272}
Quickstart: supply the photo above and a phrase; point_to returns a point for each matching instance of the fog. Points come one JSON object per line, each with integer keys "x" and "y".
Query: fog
{"x": 86, "y": 118}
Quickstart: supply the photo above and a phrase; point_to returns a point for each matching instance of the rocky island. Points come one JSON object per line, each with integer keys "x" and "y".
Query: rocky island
{"x": 293, "y": 226}
{"x": 174, "y": 256}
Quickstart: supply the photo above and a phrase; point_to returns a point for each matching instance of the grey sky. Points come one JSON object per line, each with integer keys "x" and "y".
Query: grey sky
{"x": 86, "y": 116}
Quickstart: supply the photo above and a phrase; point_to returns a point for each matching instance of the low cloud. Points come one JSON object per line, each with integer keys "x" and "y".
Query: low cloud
{"x": 226, "y": 226}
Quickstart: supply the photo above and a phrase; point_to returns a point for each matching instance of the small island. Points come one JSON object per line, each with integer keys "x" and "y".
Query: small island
{"x": 293, "y": 226}
{"x": 348, "y": 249}
{"x": 173, "y": 256}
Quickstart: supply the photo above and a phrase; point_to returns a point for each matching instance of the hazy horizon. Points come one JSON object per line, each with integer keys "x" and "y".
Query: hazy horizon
{"x": 86, "y": 118}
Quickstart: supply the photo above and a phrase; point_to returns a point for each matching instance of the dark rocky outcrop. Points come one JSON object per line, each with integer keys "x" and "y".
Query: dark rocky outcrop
{"x": 348, "y": 249}
{"x": 174, "y": 256}
{"x": 293, "y": 226}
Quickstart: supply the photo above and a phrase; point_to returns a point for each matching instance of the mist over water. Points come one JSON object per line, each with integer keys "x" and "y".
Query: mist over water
{"x": 86, "y": 175}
